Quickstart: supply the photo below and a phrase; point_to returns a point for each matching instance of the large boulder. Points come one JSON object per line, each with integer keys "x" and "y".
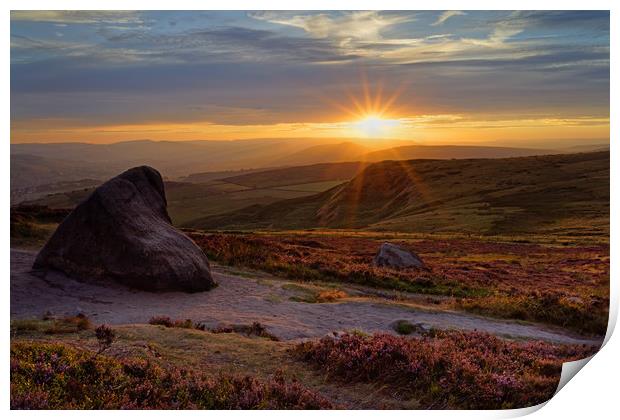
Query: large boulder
{"x": 122, "y": 232}
{"x": 393, "y": 256}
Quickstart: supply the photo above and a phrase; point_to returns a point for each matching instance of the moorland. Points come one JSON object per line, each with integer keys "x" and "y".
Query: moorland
{"x": 516, "y": 282}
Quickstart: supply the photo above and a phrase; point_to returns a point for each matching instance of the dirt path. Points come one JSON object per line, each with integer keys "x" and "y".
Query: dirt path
{"x": 237, "y": 300}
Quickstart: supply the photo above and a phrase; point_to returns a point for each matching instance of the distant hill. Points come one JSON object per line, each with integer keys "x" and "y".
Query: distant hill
{"x": 341, "y": 152}
{"x": 36, "y": 164}
{"x": 200, "y": 177}
{"x": 320, "y": 172}
{"x": 587, "y": 148}
{"x": 31, "y": 170}
{"x": 188, "y": 201}
{"x": 174, "y": 158}
{"x": 541, "y": 194}
{"x": 451, "y": 152}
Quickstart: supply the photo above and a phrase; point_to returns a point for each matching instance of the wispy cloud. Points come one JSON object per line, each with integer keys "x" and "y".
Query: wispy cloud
{"x": 447, "y": 15}
{"x": 363, "y": 25}
{"x": 237, "y": 68}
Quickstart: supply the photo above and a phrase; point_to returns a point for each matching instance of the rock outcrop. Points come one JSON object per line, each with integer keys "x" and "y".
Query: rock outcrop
{"x": 122, "y": 232}
{"x": 393, "y": 256}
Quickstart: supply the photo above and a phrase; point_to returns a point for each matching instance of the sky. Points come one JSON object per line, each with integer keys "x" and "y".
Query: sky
{"x": 434, "y": 77}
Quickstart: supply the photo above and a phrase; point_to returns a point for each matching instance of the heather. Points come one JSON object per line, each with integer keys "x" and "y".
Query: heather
{"x": 561, "y": 285}
{"x": 458, "y": 370}
{"x": 314, "y": 260}
{"x": 58, "y": 376}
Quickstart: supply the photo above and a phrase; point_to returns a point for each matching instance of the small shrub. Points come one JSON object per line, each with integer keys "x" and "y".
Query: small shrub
{"x": 404, "y": 327}
{"x": 105, "y": 337}
{"x": 162, "y": 320}
{"x": 330, "y": 295}
{"x": 82, "y": 322}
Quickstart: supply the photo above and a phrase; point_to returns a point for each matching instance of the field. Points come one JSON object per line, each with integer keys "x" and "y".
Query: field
{"x": 563, "y": 285}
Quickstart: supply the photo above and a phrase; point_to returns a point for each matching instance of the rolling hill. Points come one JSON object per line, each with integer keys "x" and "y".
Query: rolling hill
{"x": 191, "y": 200}
{"x": 173, "y": 159}
{"x": 36, "y": 163}
{"x": 340, "y": 152}
{"x": 540, "y": 194}
{"x": 451, "y": 152}
{"x": 30, "y": 170}
{"x": 321, "y": 172}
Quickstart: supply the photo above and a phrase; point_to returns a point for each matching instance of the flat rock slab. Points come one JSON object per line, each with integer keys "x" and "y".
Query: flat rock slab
{"x": 239, "y": 300}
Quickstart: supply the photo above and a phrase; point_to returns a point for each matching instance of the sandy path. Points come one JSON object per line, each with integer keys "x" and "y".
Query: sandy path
{"x": 237, "y": 300}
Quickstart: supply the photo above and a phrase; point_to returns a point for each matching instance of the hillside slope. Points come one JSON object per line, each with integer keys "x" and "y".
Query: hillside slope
{"x": 453, "y": 152}
{"x": 177, "y": 158}
{"x": 342, "y": 171}
{"x": 540, "y": 194}
{"x": 192, "y": 200}
{"x": 340, "y": 152}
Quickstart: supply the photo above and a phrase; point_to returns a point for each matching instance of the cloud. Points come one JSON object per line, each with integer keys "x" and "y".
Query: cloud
{"x": 447, "y": 15}
{"x": 360, "y": 25}
{"x": 76, "y": 16}
{"x": 229, "y": 44}
{"x": 272, "y": 67}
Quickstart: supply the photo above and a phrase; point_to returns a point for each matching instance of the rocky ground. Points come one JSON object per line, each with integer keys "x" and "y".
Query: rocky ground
{"x": 243, "y": 298}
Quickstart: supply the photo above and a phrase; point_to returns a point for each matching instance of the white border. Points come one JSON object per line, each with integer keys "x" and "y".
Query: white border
{"x": 593, "y": 393}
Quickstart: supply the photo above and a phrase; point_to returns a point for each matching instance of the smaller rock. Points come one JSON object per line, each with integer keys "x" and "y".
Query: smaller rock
{"x": 393, "y": 256}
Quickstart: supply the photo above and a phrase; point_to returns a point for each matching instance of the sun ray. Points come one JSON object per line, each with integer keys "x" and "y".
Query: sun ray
{"x": 377, "y": 107}
{"x": 373, "y": 111}
{"x": 366, "y": 91}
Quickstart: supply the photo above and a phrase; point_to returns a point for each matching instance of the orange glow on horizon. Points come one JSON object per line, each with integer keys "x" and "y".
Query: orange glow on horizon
{"x": 369, "y": 117}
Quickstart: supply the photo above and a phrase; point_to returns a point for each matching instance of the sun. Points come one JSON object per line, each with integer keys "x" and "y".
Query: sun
{"x": 374, "y": 125}
{"x": 371, "y": 113}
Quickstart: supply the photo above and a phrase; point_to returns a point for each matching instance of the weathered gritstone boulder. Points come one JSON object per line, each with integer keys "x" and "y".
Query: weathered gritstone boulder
{"x": 122, "y": 232}
{"x": 393, "y": 256}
